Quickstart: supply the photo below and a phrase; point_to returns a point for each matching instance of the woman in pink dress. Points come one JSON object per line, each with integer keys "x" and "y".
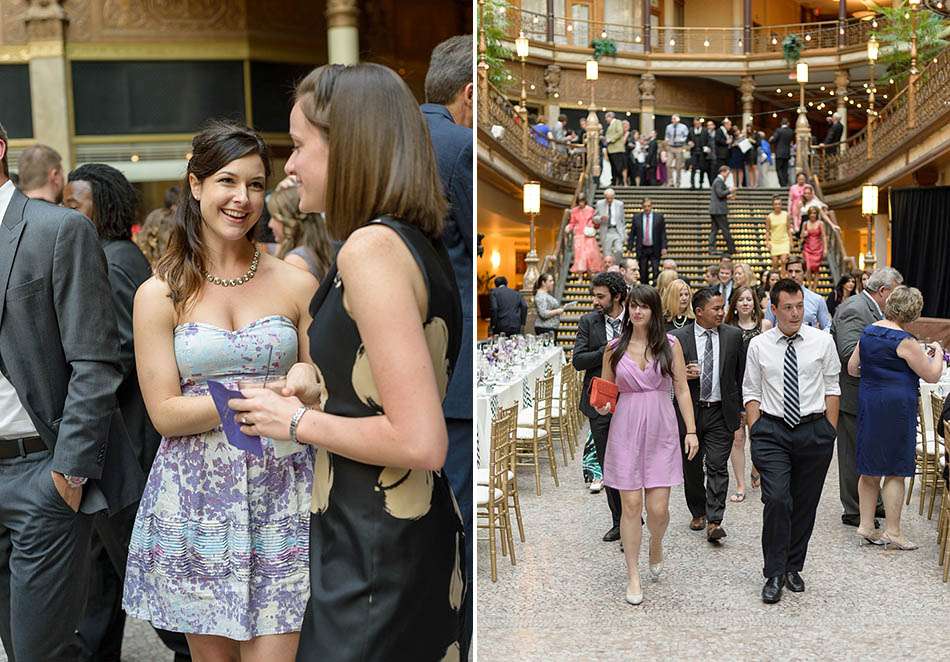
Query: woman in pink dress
{"x": 795, "y": 193}
{"x": 587, "y": 256}
{"x": 643, "y": 445}
{"x": 813, "y": 247}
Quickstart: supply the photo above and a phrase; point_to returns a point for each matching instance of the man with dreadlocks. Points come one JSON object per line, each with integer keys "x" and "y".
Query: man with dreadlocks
{"x": 105, "y": 196}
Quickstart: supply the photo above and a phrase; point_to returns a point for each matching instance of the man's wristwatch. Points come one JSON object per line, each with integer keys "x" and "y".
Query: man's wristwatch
{"x": 75, "y": 481}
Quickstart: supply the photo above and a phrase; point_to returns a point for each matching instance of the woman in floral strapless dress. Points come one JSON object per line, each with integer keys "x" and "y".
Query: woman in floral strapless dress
{"x": 220, "y": 545}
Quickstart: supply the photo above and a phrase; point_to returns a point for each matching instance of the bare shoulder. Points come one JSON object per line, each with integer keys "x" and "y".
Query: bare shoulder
{"x": 153, "y": 299}
{"x": 293, "y": 278}
{"x": 373, "y": 247}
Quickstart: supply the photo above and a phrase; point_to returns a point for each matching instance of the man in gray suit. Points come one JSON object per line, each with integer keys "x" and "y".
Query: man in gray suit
{"x": 64, "y": 450}
{"x": 613, "y": 227}
{"x": 719, "y": 196}
{"x": 851, "y": 318}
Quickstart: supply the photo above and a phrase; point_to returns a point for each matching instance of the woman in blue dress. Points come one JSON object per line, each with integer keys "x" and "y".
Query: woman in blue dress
{"x": 890, "y": 362}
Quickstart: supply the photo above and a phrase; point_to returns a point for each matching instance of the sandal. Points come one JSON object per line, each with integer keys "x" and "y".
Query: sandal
{"x": 738, "y": 497}
{"x": 756, "y": 480}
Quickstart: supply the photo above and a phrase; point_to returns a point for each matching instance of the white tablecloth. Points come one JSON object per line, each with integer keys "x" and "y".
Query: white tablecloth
{"x": 942, "y": 388}
{"x": 520, "y": 390}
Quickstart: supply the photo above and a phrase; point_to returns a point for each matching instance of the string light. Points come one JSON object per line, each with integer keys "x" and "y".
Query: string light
{"x": 570, "y": 27}
{"x": 672, "y": 42}
{"x": 822, "y": 88}
{"x": 603, "y": 34}
{"x": 706, "y": 43}
{"x": 789, "y": 94}
{"x": 807, "y": 37}
{"x": 637, "y": 39}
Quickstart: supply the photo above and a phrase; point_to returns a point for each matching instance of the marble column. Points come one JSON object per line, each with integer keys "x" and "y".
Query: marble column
{"x": 647, "y": 102}
{"x": 49, "y": 78}
{"x": 343, "y": 42}
{"x": 882, "y": 226}
{"x": 841, "y": 91}
{"x": 747, "y": 87}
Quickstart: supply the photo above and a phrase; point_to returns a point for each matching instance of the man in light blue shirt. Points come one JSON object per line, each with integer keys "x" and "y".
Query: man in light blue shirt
{"x": 676, "y": 136}
{"x": 816, "y": 309}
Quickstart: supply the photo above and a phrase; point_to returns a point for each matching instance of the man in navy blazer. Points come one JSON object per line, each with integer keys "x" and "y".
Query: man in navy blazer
{"x": 648, "y": 236}
{"x": 448, "y": 111}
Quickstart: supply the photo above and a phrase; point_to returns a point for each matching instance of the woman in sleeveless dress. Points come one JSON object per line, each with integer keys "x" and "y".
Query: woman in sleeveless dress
{"x": 745, "y": 312}
{"x": 778, "y": 233}
{"x": 643, "y": 445}
{"x": 220, "y": 544}
{"x": 814, "y": 247}
{"x": 387, "y": 581}
{"x": 302, "y": 238}
{"x": 890, "y": 363}
{"x": 587, "y": 256}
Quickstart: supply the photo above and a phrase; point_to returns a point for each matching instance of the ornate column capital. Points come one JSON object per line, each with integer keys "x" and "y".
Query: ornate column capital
{"x": 46, "y": 20}
{"x": 647, "y": 88}
{"x": 747, "y": 87}
{"x": 552, "y": 81}
{"x": 342, "y": 14}
{"x": 841, "y": 82}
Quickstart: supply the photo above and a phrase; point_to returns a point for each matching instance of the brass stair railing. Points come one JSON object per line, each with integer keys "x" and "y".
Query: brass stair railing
{"x": 500, "y": 123}
{"x": 892, "y": 129}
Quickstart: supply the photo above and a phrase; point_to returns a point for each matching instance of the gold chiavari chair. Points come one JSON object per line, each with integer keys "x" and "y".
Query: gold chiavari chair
{"x": 492, "y": 499}
{"x": 943, "y": 521}
{"x": 924, "y": 454}
{"x": 533, "y": 439}
{"x": 560, "y": 415}
{"x": 937, "y": 459}
{"x": 482, "y": 476}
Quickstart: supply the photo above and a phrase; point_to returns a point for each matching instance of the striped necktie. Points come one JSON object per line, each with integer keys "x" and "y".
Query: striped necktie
{"x": 791, "y": 405}
{"x": 706, "y": 378}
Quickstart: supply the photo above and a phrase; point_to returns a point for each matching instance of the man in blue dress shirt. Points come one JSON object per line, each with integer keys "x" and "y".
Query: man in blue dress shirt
{"x": 448, "y": 111}
{"x": 816, "y": 309}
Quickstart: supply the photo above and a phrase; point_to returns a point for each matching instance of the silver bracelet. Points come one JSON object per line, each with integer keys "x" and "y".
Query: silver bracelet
{"x": 295, "y": 421}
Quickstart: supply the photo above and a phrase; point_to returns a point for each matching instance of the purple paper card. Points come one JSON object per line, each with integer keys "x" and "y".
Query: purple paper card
{"x": 232, "y": 429}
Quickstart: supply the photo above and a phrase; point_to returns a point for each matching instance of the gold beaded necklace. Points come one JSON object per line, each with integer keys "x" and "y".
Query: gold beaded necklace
{"x": 234, "y": 282}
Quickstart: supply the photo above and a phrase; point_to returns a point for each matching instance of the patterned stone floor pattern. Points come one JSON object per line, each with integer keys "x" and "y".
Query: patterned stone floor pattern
{"x": 564, "y": 600}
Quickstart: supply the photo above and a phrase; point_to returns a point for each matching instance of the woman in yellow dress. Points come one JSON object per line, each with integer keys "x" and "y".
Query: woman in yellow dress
{"x": 778, "y": 237}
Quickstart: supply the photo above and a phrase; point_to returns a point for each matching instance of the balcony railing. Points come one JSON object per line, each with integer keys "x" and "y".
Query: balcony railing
{"x": 891, "y": 130}
{"x": 504, "y": 123}
{"x": 563, "y": 31}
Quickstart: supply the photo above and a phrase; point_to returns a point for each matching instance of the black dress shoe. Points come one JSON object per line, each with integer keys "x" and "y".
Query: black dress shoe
{"x": 613, "y": 535}
{"x": 772, "y": 591}
{"x": 794, "y": 581}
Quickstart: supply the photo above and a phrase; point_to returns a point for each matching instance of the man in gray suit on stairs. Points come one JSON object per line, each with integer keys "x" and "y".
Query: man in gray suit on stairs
{"x": 64, "y": 450}
{"x": 613, "y": 226}
{"x": 719, "y": 197}
{"x": 851, "y": 318}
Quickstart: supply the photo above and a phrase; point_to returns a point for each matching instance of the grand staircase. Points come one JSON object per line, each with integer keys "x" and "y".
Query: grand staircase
{"x": 687, "y": 228}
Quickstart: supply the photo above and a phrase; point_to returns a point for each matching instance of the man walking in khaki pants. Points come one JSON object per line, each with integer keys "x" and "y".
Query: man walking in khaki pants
{"x": 676, "y": 137}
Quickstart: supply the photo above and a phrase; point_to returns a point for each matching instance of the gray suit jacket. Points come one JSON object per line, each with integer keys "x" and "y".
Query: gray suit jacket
{"x": 851, "y": 318}
{"x": 717, "y": 197}
{"x": 618, "y": 215}
{"x": 59, "y": 347}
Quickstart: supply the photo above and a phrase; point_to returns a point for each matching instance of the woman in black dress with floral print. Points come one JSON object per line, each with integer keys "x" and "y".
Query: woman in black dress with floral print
{"x": 385, "y": 534}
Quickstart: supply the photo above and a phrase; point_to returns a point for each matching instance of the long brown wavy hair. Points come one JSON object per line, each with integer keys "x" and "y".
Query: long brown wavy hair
{"x": 657, "y": 342}
{"x": 300, "y": 228}
{"x": 182, "y": 265}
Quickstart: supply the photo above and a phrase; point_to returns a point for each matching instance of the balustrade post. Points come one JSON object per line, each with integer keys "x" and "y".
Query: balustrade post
{"x": 647, "y": 102}
{"x": 842, "y": 20}
{"x": 747, "y": 28}
{"x": 647, "y": 47}
{"x": 747, "y": 87}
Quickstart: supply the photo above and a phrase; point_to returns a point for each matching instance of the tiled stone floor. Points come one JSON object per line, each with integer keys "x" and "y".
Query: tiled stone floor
{"x": 564, "y": 598}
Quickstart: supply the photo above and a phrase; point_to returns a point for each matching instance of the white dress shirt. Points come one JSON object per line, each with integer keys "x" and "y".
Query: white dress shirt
{"x": 647, "y": 228}
{"x": 818, "y": 368}
{"x": 14, "y": 421}
{"x": 610, "y": 329}
{"x": 700, "y": 335}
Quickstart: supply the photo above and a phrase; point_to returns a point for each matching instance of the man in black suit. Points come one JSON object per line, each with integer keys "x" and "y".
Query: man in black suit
{"x": 508, "y": 309}
{"x": 719, "y": 196}
{"x": 835, "y": 131}
{"x": 709, "y": 151}
{"x": 722, "y": 142}
{"x": 594, "y": 331}
{"x": 448, "y": 112}
{"x": 697, "y": 140}
{"x": 714, "y": 367}
{"x": 651, "y": 160}
{"x": 648, "y": 237}
{"x": 64, "y": 448}
{"x": 102, "y": 193}
{"x": 781, "y": 140}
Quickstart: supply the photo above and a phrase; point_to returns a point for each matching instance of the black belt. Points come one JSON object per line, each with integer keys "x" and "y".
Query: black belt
{"x": 804, "y": 419}
{"x": 20, "y": 447}
{"x": 709, "y": 405}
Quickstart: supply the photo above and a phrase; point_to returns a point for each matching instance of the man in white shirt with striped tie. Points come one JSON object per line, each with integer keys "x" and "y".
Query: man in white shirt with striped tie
{"x": 790, "y": 391}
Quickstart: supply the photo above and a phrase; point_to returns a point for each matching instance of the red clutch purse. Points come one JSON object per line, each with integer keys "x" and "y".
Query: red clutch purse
{"x": 602, "y": 392}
